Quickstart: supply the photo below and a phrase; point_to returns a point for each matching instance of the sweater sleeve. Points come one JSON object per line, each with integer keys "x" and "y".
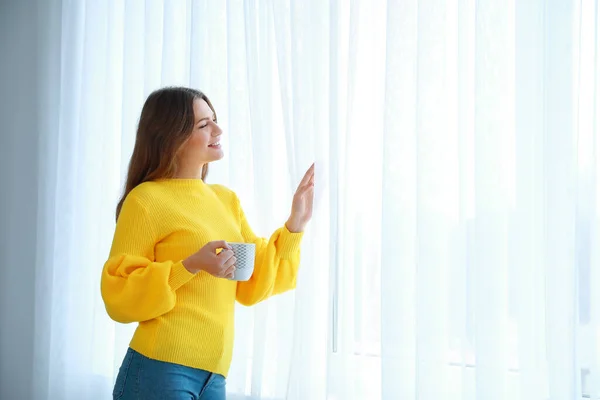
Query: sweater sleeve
{"x": 276, "y": 263}
{"x": 134, "y": 287}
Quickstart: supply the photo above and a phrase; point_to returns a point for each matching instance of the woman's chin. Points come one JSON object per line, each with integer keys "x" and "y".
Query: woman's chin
{"x": 218, "y": 154}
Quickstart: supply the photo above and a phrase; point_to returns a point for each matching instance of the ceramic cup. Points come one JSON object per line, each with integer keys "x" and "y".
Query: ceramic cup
{"x": 244, "y": 254}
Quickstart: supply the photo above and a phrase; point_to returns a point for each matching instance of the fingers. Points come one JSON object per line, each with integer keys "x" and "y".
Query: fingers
{"x": 225, "y": 256}
{"x": 228, "y": 266}
{"x": 230, "y": 262}
{"x": 308, "y": 176}
{"x": 302, "y": 189}
{"x": 218, "y": 244}
{"x": 229, "y": 272}
{"x": 306, "y": 189}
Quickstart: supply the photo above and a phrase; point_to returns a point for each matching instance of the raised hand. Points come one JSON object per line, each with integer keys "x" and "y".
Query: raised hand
{"x": 302, "y": 205}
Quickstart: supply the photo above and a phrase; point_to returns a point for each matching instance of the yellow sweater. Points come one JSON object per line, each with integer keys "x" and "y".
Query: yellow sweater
{"x": 185, "y": 318}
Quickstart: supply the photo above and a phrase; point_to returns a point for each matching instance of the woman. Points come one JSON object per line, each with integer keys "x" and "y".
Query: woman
{"x": 169, "y": 261}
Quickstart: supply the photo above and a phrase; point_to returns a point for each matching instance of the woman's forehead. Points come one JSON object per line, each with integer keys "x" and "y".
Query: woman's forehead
{"x": 201, "y": 109}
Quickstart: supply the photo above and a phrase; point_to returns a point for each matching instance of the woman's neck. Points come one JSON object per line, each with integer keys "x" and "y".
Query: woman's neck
{"x": 189, "y": 172}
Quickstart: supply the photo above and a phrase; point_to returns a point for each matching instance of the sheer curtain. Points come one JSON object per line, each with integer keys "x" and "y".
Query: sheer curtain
{"x": 454, "y": 248}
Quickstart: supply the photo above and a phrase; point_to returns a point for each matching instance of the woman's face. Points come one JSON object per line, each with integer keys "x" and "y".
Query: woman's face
{"x": 203, "y": 145}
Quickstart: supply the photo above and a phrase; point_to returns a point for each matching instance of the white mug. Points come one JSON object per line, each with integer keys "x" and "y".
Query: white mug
{"x": 244, "y": 265}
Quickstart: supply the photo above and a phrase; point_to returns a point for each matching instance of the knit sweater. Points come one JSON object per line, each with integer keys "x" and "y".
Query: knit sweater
{"x": 186, "y": 318}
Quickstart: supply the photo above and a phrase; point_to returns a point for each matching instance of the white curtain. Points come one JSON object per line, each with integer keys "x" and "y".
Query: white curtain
{"x": 454, "y": 248}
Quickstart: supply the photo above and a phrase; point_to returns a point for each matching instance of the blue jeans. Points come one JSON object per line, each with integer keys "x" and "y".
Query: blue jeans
{"x": 142, "y": 378}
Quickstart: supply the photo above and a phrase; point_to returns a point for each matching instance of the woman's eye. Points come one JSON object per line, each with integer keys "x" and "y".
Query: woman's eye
{"x": 203, "y": 126}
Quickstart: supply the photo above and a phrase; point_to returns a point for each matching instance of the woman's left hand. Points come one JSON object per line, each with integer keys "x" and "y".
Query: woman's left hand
{"x": 302, "y": 206}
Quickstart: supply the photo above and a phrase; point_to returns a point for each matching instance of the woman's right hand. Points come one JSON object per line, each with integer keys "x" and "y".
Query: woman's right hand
{"x": 206, "y": 259}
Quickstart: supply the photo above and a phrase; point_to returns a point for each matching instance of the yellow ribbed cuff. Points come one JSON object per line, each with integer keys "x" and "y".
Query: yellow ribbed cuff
{"x": 179, "y": 275}
{"x": 288, "y": 244}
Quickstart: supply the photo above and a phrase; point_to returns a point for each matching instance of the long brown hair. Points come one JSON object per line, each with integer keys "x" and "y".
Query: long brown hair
{"x": 166, "y": 122}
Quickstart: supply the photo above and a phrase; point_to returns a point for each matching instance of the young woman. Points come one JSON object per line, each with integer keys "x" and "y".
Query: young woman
{"x": 169, "y": 261}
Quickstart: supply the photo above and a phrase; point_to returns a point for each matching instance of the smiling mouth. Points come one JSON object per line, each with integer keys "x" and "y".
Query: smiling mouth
{"x": 215, "y": 145}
